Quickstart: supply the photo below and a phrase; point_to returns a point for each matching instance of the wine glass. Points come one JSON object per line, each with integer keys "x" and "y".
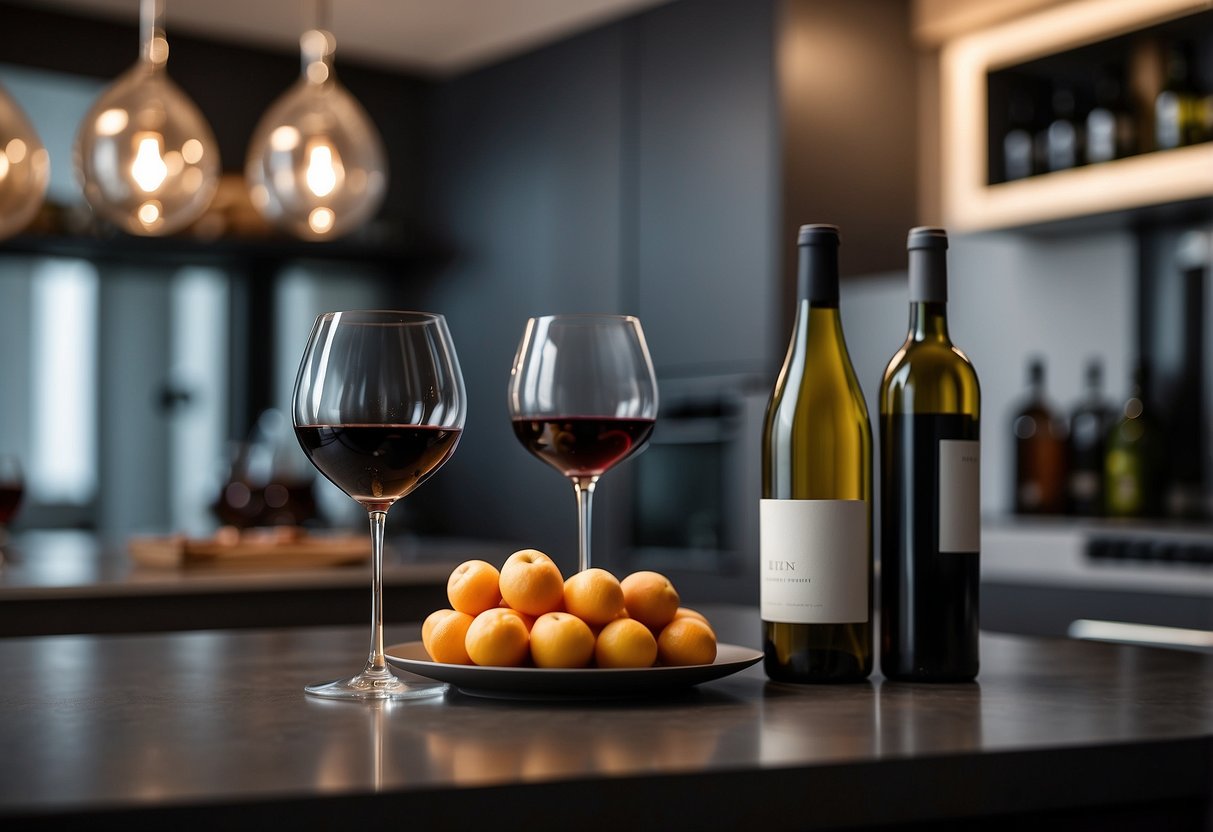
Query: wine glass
{"x": 12, "y": 487}
{"x": 379, "y": 406}
{"x": 583, "y": 398}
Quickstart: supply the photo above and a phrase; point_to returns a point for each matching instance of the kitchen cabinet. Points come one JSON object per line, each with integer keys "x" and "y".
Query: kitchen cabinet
{"x": 1166, "y": 183}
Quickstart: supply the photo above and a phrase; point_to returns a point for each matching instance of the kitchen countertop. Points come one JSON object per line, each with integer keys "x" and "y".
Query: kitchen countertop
{"x": 63, "y": 582}
{"x": 213, "y": 727}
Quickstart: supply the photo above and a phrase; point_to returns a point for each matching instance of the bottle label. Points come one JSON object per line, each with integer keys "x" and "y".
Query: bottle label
{"x": 815, "y": 561}
{"x": 959, "y": 495}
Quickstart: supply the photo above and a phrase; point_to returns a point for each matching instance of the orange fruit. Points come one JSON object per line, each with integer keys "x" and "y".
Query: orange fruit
{"x": 625, "y": 642}
{"x": 595, "y": 596}
{"x": 686, "y": 641}
{"x": 650, "y": 598}
{"x": 497, "y": 638}
{"x": 687, "y": 612}
{"x": 472, "y": 587}
{"x": 443, "y": 635}
{"x": 531, "y": 582}
{"x": 561, "y": 639}
{"x": 528, "y": 620}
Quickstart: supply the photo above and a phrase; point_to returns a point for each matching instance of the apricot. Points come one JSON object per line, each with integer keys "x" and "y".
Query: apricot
{"x": 528, "y": 620}
{"x": 472, "y": 587}
{"x": 497, "y": 638}
{"x": 650, "y": 598}
{"x": 561, "y": 639}
{"x": 531, "y": 582}
{"x": 686, "y": 641}
{"x": 444, "y": 633}
{"x": 595, "y": 596}
{"x": 687, "y": 612}
{"x": 625, "y": 642}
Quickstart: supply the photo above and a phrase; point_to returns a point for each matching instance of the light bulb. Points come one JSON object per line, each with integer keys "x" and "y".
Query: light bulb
{"x": 25, "y": 168}
{"x": 316, "y": 165}
{"x": 144, "y": 153}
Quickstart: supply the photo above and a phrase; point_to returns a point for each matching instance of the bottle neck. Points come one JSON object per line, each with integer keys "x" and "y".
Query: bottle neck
{"x": 817, "y": 276}
{"x": 929, "y": 322}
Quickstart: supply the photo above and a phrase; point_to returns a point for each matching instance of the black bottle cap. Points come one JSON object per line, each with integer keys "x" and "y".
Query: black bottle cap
{"x": 817, "y": 276}
{"x": 928, "y": 264}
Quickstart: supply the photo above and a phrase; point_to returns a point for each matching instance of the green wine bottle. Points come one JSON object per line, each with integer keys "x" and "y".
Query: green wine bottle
{"x": 930, "y": 475}
{"x": 816, "y": 512}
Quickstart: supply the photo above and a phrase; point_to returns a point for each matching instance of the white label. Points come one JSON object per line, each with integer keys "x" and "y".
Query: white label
{"x": 815, "y": 561}
{"x": 959, "y": 495}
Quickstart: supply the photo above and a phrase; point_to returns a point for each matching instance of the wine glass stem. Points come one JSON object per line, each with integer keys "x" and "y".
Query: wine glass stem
{"x": 376, "y": 663}
{"x": 584, "y": 488}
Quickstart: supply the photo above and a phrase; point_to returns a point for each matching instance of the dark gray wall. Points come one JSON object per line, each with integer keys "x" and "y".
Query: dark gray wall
{"x": 630, "y": 169}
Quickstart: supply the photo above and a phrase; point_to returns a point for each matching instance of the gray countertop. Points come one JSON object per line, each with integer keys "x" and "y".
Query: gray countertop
{"x": 148, "y": 730}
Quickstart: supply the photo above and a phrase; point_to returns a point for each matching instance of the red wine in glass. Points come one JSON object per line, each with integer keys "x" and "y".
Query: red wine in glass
{"x": 10, "y": 499}
{"x": 583, "y": 446}
{"x": 377, "y": 464}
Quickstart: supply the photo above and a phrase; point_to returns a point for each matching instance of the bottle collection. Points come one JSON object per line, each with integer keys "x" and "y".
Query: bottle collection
{"x": 1102, "y": 461}
{"x": 1067, "y": 124}
{"x": 816, "y": 512}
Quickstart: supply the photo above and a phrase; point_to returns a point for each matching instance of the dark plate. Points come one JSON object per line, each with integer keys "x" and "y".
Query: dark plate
{"x": 594, "y": 682}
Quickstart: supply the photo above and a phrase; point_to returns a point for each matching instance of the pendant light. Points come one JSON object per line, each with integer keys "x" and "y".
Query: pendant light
{"x": 316, "y": 166}
{"x": 144, "y": 153}
{"x": 25, "y": 168}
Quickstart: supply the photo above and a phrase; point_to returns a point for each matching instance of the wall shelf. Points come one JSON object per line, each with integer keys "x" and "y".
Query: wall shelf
{"x": 1133, "y": 185}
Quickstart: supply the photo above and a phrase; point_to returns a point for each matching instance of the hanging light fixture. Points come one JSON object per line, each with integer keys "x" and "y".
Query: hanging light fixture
{"x": 25, "y": 168}
{"x": 144, "y": 153}
{"x": 316, "y": 165}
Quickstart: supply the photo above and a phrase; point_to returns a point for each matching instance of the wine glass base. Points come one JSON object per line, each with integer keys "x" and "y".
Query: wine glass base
{"x": 373, "y": 686}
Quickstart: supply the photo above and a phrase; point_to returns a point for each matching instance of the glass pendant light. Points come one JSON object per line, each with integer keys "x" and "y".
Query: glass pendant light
{"x": 316, "y": 165}
{"x": 144, "y": 153}
{"x": 25, "y": 168}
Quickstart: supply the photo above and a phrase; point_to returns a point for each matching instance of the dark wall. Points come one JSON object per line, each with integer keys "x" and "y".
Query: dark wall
{"x": 232, "y": 85}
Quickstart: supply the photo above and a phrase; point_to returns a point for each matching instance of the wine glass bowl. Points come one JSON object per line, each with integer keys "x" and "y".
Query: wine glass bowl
{"x": 583, "y": 398}
{"x": 379, "y": 407}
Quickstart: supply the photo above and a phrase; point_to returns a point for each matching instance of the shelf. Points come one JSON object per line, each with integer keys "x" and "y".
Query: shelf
{"x": 1144, "y": 184}
{"x": 397, "y": 259}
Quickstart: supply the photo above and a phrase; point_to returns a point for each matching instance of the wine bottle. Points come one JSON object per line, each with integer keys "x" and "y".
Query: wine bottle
{"x": 1089, "y": 425}
{"x": 1040, "y": 450}
{"x": 1064, "y": 138}
{"x": 816, "y": 511}
{"x": 1110, "y": 127}
{"x": 1131, "y": 464}
{"x": 1177, "y": 117}
{"x": 1018, "y": 157}
{"x": 930, "y": 463}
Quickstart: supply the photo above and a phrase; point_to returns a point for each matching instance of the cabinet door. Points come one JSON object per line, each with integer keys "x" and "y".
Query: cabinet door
{"x": 703, "y": 166}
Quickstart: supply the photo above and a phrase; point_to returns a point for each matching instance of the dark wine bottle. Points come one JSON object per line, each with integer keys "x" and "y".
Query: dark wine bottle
{"x": 1040, "y": 450}
{"x": 816, "y": 511}
{"x": 1177, "y": 116}
{"x": 930, "y": 462}
{"x": 1089, "y": 424}
{"x": 1131, "y": 465}
{"x": 1018, "y": 156}
{"x": 1064, "y": 136}
{"x": 1111, "y": 132}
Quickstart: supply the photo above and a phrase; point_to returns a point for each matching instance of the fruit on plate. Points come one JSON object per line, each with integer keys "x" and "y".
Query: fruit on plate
{"x": 527, "y": 614}
{"x": 561, "y": 639}
{"x": 497, "y": 637}
{"x": 625, "y": 642}
{"x": 472, "y": 587}
{"x": 531, "y": 583}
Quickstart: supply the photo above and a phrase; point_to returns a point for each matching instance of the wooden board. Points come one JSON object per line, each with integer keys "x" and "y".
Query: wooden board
{"x": 260, "y": 549}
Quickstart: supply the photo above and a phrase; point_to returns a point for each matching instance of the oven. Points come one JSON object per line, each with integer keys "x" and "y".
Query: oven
{"x": 692, "y": 508}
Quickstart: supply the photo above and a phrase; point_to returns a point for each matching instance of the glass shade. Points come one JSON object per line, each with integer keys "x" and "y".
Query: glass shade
{"x": 316, "y": 165}
{"x": 144, "y": 153}
{"x": 25, "y": 168}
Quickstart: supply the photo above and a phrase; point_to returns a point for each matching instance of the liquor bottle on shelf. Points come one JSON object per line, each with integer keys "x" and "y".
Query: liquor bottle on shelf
{"x": 1064, "y": 135}
{"x": 1040, "y": 450}
{"x": 1089, "y": 424}
{"x": 1111, "y": 133}
{"x": 1018, "y": 158}
{"x": 816, "y": 511}
{"x": 930, "y": 450}
{"x": 1131, "y": 464}
{"x": 1177, "y": 117}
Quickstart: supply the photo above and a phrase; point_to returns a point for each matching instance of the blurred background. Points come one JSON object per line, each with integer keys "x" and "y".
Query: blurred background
{"x": 653, "y": 158}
